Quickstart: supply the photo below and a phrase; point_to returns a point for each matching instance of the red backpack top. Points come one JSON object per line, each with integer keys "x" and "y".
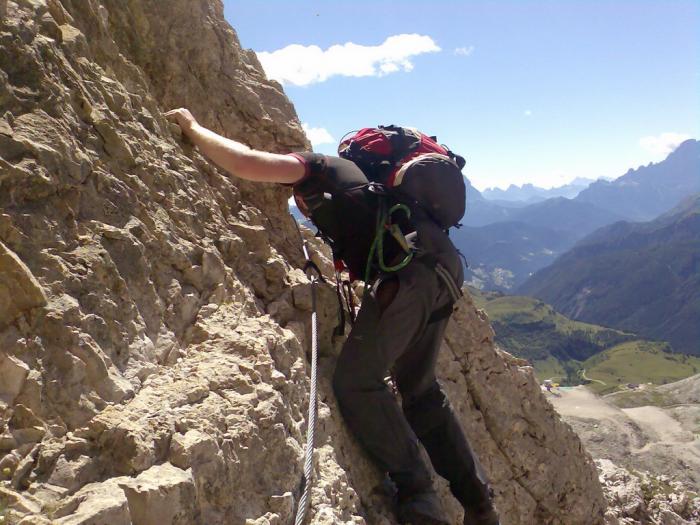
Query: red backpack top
{"x": 413, "y": 166}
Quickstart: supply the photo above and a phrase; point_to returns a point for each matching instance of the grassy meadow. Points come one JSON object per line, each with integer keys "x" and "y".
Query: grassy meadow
{"x": 571, "y": 352}
{"x": 638, "y": 362}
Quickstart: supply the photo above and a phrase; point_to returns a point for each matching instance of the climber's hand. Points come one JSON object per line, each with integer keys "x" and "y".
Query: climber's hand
{"x": 183, "y": 118}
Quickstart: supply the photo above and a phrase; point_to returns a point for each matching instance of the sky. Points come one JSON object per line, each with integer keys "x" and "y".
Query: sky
{"x": 527, "y": 91}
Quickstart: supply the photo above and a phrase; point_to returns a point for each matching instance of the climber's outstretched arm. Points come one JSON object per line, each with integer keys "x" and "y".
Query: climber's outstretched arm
{"x": 236, "y": 158}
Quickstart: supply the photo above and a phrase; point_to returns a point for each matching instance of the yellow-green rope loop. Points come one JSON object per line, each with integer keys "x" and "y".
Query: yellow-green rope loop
{"x": 383, "y": 224}
{"x": 397, "y": 207}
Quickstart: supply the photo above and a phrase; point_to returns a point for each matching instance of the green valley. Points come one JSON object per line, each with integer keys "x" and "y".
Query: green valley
{"x": 638, "y": 362}
{"x": 571, "y": 352}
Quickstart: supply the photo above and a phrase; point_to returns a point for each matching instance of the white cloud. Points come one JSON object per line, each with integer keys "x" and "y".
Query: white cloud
{"x": 663, "y": 144}
{"x": 302, "y": 65}
{"x": 317, "y": 136}
{"x": 464, "y": 51}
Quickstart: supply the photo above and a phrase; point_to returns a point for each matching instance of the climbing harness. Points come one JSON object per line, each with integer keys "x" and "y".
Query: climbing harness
{"x": 314, "y": 275}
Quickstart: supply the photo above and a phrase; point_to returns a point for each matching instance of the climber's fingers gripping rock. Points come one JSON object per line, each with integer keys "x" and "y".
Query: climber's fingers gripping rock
{"x": 183, "y": 118}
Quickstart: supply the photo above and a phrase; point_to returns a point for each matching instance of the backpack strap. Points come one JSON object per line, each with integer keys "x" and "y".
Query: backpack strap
{"x": 455, "y": 292}
{"x": 444, "y": 275}
{"x": 442, "y": 313}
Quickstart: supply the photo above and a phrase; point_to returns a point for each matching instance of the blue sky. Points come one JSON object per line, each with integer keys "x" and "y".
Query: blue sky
{"x": 528, "y": 91}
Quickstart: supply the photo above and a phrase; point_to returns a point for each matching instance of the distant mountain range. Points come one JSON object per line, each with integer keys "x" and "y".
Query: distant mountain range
{"x": 565, "y": 215}
{"x": 648, "y": 191}
{"x": 531, "y": 236}
{"x": 529, "y": 193}
{"x": 640, "y": 277}
{"x": 639, "y": 195}
{"x": 503, "y": 253}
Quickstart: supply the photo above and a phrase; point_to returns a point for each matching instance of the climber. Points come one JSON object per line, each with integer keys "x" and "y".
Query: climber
{"x": 399, "y": 328}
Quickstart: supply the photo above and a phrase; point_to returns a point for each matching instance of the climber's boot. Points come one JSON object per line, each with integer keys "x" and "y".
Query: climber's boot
{"x": 436, "y": 425}
{"x": 423, "y": 508}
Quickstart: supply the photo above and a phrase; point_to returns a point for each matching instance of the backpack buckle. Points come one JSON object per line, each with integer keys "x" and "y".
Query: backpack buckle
{"x": 377, "y": 188}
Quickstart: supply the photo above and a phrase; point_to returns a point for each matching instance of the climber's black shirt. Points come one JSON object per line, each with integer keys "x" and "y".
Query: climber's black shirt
{"x": 334, "y": 193}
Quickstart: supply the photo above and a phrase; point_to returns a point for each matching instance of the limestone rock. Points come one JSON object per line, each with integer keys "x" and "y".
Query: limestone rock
{"x": 73, "y": 473}
{"x": 13, "y": 373}
{"x": 19, "y": 289}
{"x": 193, "y": 445}
{"x": 20, "y": 504}
{"x": 161, "y": 494}
{"x": 641, "y": 497}
{"x": 94, "y": 504}
{"x": 154, "y": 330}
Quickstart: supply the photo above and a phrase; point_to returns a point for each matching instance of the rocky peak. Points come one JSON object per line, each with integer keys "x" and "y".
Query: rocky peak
{"x": 153, "y": 319}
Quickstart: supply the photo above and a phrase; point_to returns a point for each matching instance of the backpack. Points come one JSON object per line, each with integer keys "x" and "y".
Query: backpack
{"x": 414, "y": 169}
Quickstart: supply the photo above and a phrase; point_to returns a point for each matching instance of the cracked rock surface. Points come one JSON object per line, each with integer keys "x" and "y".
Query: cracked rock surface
{"x": 154, "y": 324}
{"x": 640, "y": 497}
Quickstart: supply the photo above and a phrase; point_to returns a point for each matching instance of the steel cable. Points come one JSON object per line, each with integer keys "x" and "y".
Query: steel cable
{"x": 313, "y": 410}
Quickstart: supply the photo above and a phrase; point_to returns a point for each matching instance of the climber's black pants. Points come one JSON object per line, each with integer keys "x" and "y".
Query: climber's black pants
{"x": 393, "y": 331}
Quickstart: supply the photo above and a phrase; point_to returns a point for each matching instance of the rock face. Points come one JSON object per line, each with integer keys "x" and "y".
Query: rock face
{"x": 154, "y": 330}
{"x": 647, "y": 452}
{"x": 645, "y": 498}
